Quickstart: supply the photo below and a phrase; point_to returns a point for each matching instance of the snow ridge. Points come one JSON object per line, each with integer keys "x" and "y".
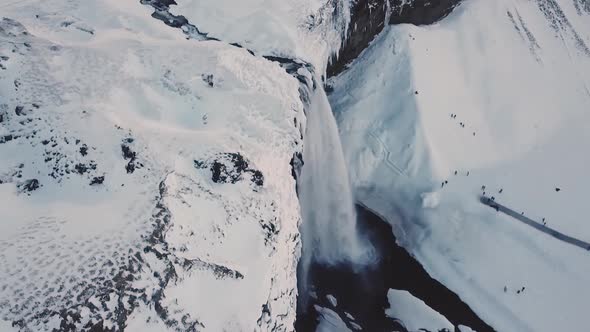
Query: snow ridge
{"x": 137, "y": 185}
{"x": 492, "y": 101}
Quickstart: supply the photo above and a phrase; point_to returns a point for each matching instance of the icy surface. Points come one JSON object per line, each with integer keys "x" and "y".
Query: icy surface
{"x": 414, "y": 313}
{"x": 498, "y": 93}
{"x": 144, "y": 178}
{"x": 333, "y": 301}
{"x": 329, "y": 321}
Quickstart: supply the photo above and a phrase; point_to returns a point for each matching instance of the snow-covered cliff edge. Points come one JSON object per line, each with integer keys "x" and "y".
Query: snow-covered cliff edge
{"x": 145, "y": 179}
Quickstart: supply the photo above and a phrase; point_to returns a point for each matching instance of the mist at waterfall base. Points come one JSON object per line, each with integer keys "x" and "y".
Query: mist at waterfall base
{"x": 330, "y": 235}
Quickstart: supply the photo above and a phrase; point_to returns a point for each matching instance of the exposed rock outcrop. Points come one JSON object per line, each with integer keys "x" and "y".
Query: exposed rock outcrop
{"x": 368, "y": 17}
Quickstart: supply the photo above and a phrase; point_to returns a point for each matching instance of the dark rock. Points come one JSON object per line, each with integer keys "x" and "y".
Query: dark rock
{"x": 292, "y": 67}
{"x": 162, "y": 13}
{"x": 208, "y": 78}
{"x": 421, "y": 12}
{"x": 19, "y": 110}
{"x": 219, "y": 173}
{"x": 127, "y": 152}
{"x": 230, "y": 168}
{"x": 130, "y": 167}
{"x": 257, "y": 178}
{"x": 6, "y": 138}
{"x": 130, "y": 155}
{"x": 30, "y": 185}
{"x": 368, "y": 20}
{"x": 97, "y": 180}
{"x": 199, "y": 164}
{"x": 81, "y": 168}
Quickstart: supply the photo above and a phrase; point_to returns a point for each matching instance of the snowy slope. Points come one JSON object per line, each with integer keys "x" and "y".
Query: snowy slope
{"x": 499, "y": 93}
{"x": 414, "y": 313}
{"x": 145, "y": 179}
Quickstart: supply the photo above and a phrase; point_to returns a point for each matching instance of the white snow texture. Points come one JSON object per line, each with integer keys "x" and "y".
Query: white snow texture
{"x": 145, "y": 179}
{"x": 493, "y": 100}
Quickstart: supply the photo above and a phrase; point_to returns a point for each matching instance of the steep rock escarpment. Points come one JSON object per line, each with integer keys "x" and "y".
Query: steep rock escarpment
{"x": 369, "y": 17}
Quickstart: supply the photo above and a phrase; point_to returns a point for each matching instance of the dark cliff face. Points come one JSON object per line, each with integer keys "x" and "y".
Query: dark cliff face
{"x": 421, "y": 12}
{"x": 368, "y": 20}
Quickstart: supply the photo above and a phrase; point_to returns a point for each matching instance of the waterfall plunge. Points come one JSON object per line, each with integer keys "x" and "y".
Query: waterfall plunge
{"x": 330, "y": 234}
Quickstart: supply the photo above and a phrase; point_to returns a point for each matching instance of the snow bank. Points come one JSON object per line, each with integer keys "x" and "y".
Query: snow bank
{"x": 493, "y": 99}
{"x": 414, "y": 313}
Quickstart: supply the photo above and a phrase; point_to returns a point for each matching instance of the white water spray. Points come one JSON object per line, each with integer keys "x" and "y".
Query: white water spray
{"x": 330, "y": 235}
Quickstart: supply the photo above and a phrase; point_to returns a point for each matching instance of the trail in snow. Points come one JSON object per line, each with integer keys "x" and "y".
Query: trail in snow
{"x": 526, "y": 220}
{"x": 329, "y": 220}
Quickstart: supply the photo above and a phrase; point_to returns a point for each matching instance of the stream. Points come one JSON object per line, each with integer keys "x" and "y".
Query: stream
{"x": 363, "y": 293}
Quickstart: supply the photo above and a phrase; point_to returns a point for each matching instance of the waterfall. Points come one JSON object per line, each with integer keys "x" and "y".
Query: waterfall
{"x": 329, "y": 231}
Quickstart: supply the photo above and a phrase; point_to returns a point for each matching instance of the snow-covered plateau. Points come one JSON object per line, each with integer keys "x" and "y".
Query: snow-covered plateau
{"x": 159, "y": 170}
{"x": 145, "y": 179}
